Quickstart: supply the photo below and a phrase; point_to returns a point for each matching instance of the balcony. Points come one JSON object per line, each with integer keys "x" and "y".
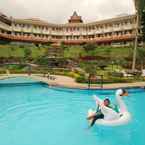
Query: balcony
{"x": 4, "y": 26}
{"x": 39, "y": 39}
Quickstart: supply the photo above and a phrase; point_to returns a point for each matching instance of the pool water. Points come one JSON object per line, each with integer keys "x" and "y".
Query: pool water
{"x": 37, "y": 114}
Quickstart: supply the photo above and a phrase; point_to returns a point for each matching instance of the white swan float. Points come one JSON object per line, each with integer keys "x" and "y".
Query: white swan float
{"x": 112, "y": 118}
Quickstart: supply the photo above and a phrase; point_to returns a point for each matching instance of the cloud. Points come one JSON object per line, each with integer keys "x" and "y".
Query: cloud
{"x": 58, "y": 11}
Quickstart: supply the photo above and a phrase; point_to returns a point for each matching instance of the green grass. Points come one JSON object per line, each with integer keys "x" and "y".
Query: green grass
{"x": 73, "y": 52}
{"x": 100, "y": 51}
{"x": 18, "y": 51}
{"x": 70, "y": 52}
{"x": 113, "y": 51}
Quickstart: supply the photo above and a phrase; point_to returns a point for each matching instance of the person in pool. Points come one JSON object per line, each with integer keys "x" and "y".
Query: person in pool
{"x": 99, "y": 114}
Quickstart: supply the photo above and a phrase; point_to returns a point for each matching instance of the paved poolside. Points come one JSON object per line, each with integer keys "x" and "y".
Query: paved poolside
{"x": 64, "y": 81}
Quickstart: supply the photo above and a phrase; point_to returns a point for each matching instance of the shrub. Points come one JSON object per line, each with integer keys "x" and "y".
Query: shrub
{"x": 115, "y": 74}
{"x": 2, "y": 71}
{"x": 73, "y": 74}
{"x": 118, "y": 80}
{"x": 81, "y": 79}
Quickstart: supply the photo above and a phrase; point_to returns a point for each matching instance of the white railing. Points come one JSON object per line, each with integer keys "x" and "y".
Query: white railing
{"x": 5, "y": 26}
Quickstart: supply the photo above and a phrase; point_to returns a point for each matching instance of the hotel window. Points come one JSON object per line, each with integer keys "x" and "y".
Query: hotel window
{"x": 96, "y": 28}
{"x": 101, "y": 27}
{"x": 25, "y": 26}
{"x": 105, "y": 26}
{"x": 122, "y": 23}
{"x": 29, "y": 26}
{"x": 130, "y": 31}
{"x": 117, "y": 25}
{"x": 93, "y": 27}
{"x": 17, "y": 25}
{"x": 22, "y": 25}
{"x": 43, "y": 28}
{"x": 110, "y": 34}
{"x": 129, "y": 22}
{"x": 125, "y": 22}
{"x": 37, "y": 27}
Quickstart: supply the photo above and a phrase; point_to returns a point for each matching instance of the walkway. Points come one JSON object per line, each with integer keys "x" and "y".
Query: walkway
{"x": 63, "y": 81}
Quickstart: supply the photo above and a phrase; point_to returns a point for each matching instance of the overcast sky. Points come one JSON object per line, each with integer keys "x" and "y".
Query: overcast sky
{"x": 58, "y": 11}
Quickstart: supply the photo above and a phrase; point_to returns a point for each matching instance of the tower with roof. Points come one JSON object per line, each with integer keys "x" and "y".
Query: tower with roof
{"x": 75, "y": 18}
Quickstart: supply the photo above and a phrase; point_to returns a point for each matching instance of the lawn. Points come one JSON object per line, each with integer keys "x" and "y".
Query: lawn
{"x": 19, "y": 51}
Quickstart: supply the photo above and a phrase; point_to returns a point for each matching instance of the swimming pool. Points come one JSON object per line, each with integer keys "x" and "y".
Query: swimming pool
{"x": 37, "y": 114}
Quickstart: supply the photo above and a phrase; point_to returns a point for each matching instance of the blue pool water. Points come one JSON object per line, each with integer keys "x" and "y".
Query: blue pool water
{"x": 36, "y": 114}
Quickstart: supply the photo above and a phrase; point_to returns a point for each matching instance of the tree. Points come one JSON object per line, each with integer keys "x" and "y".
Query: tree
{"x": 42, "y": 61}
{"x": 102, "y": 64}
{"x": 139, "y": 6}
{"x": 143, "y": 25}
{"x": 89, "y": 47}
{"x": 90, "y": 68}
{"x": 63, "y": 46}
{"x": 141, "y": 56}
{"x": 27, "y": 53}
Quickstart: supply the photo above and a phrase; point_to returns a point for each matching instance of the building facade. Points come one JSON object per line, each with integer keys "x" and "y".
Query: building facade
{"x": 119, "y": 30}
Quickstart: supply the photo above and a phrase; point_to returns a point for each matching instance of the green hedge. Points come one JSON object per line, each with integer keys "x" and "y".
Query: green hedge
{"x": 115, "y": 74}
{"x": 81, "y": 79}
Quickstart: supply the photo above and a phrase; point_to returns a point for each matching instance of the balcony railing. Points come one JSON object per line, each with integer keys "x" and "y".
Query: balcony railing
{"x": 125, "y": 37}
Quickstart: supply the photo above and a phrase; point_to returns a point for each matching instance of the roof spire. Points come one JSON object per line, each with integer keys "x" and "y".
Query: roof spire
{"x": 75, "y": 14}
{"x": 75, "y": 18}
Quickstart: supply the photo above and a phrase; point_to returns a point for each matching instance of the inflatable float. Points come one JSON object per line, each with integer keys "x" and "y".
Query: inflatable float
{"x": 121, "y": 118}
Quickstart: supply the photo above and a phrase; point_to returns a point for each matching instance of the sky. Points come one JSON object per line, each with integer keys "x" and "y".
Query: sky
{"x": 59, "y": 11}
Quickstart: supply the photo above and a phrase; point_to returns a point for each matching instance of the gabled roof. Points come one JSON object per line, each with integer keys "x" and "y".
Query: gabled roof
{"x": 75, "y": 14}
{"x": 75, "y": 18}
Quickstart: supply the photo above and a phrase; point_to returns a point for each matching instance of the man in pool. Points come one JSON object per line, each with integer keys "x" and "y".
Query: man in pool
{"x": 98, "y": 114}
{"x": 104, "y": 112}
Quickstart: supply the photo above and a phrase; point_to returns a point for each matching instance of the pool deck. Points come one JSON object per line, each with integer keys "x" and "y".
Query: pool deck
{"x": 63, "y": 81}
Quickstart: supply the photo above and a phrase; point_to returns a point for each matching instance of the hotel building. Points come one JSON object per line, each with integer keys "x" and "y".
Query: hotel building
{"x": 116, "y": 31}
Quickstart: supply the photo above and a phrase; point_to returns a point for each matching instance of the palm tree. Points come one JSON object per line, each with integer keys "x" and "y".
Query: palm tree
{"x": 136, "y": 35}
{"x": 141, "y": 57}
{"x": 143, "y": 27}
{"x": 139, "y": 6}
